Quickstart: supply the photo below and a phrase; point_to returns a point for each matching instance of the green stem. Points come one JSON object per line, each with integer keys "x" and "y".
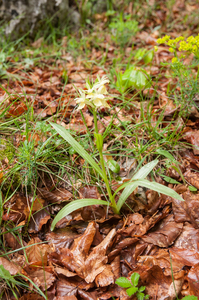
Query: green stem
{"x": 112, "y": 200}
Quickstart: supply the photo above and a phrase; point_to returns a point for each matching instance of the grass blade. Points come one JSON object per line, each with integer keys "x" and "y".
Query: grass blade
{"x": 78, "y": 148}
{"x": 74, "y": 205}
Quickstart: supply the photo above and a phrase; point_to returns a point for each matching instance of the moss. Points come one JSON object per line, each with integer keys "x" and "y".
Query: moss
{"x": 11, "y": 178}
{"x": 7, "y": 150}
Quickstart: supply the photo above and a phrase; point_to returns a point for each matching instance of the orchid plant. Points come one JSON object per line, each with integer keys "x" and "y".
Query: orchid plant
{"x": 95, "y": 97}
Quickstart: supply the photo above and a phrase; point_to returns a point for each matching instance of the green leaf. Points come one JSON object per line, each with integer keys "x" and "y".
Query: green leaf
{"x": 134, "y": 78}
{"x": 135, "y": 278}
{"x": 190, "y": 298}
{"x": 126, "y": 192}
{"x": 141, "y": 174}
{"x": 167, "y": 155}
{"x": 170, "y": 180}
{"x": 192, "y": 189}
{"x": 160, "y": 189}
{"x": 142, "y": 288}
{"x": 140, "y": 53}
{"x": 113, "y": 166}
{"x": 131, "y": 186}
{"x": 74, "y": 205}
{"x": 5, "y": 274}
{"x": 123, "y": 282}
{"x": 78, "y": 148}
{"x": 71, "y": 151}
{"x": 132, "y": 290}
{"x": 148, "y": 57}
{"x": 145, "y": 170}
{"x": 140, "y": 296}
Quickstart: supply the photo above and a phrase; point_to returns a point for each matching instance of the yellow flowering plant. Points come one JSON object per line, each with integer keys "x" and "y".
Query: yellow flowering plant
{"x": 182, "y": 48}
{"x": 94, "y": 97}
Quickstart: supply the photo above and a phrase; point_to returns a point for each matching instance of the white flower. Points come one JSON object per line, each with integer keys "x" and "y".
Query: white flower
{"x": 98, "y": 99}
{"x": 94, "y": 96}
{"x": 82, "y": 100}
{"x": 100, "y": 85}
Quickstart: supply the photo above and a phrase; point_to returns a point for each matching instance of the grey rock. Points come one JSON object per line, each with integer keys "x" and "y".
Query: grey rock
{"x": 21, "y": 16}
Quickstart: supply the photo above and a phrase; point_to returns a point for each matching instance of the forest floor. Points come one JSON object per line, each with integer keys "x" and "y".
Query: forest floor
{"x": 153, "y": 94}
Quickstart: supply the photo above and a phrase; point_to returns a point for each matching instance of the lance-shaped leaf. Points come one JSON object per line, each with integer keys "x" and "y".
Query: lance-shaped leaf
{"x": 131, "y": 186}
{"x": 141, "y": 174}
{"x": 78, "y": 148}
{"x": 74, "y": 205}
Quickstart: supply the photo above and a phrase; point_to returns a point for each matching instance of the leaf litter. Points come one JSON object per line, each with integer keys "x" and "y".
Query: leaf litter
{"x": 92, "y": 247}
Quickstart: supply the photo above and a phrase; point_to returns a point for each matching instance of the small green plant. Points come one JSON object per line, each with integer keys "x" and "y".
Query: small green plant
{"x": 123, "y": 30}
{"x": 133, "y": 78}
{"x": 132, "y": 286}
{"x": 94, "y": 97}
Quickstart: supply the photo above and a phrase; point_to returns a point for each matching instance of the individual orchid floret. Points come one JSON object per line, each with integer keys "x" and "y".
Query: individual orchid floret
{"x": 98, "y": 99}
{"x": 83, "y": 100}
{"x": 100, "y": 85}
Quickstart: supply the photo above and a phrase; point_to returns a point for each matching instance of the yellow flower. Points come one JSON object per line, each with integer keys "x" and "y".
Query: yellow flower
{"x": 174, "y": 60}
{"x": 171, "y": 50}
{"x": 155, "y": 48}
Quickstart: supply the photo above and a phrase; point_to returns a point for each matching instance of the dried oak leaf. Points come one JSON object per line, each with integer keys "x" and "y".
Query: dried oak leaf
{"x": 165, "y": 233}
{"x": 39, "y": 219}
{"x": 192, "y": 178}
{"x": 10, "y": 266}
{"x": 42, "y": 278}
{"x": 193, "y": 138}
{"x": 186, "y": 257}
{"x": 66, "y": 287}
{"x": 193, "y": 279}
{"x": 159, "y": 286}
{"x": 56, "y": 196}
{"x": 187, "y": 210}
{"x": 31, "y": 297}
{"x": 37, "y": 253}
{"x": 106, "y": 277}
{"x": 61, "y": 238}
{"x": 78, "y": 260}
{"x": 161, "y": 258}
{"x": 72, "y": 297}
{"x": 18, "y": 209}
{"x": 189, "y": 238}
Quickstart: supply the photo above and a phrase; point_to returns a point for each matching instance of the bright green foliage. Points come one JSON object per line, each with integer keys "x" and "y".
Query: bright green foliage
{"x": 143, "y": 54}
{"x": 113, "y": 166}
{"x": 123, "y": 30}
{"x": 133, "y": 78}
{"x": 132, "y": 286}
{"x": 190, "y": 298}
